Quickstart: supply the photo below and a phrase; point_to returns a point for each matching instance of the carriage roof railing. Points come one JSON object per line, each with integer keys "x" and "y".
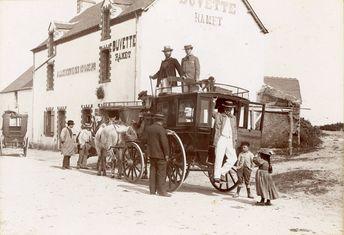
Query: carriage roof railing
{"x": 120, "y": 104}
{"x": 204, "y": 86}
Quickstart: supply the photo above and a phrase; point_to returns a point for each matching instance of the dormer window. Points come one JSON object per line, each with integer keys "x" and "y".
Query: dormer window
{"x": 106, "y": 24}
{"x": 51, "y": 44}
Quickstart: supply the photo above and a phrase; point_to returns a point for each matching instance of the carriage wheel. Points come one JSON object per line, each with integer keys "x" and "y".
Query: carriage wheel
{"x": 230, "y": 184}
{"x": 188, "y": 166}
{"x": 133, "y": 162}
{"x": 26, "y": 146}
{"x": 176, "y": 166}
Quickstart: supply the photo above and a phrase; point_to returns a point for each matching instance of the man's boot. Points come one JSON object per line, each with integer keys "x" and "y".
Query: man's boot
{"x": 237, "y": 193}
{"x": 249, "y": 193}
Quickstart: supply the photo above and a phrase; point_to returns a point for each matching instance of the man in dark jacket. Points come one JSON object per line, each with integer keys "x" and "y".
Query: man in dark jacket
{"x": 158, "y": 151}
{"x": 167, "y": 69}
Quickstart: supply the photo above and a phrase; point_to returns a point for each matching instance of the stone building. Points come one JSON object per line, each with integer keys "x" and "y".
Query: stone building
{"x": 282, "y": 97}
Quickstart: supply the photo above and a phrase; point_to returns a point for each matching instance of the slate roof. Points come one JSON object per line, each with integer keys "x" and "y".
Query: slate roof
{"x": 288, "y": 86}
{"x": 23, "y": 82}
{"x": 90, "y": 18}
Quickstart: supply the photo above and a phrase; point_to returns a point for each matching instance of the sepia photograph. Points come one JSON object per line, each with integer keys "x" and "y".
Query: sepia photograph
{"x": 205, "y": 117}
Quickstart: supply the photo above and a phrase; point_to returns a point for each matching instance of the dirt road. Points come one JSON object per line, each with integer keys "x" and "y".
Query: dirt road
{"x": 37, "y": 197}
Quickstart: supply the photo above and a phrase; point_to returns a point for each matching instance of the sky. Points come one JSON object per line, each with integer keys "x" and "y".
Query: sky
{"x": 305, "y": 41}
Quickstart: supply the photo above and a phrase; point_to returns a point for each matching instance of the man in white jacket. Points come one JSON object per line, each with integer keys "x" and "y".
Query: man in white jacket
{"x": 85, "y": 138}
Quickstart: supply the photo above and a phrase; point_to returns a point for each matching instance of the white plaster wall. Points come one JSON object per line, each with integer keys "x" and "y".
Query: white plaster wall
{"x": 233, "y": 53}
{"x": 79, "y": 89}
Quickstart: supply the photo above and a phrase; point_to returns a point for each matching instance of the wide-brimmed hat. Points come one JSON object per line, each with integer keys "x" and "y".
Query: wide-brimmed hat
{"x": 187, "y": 47}
{"x": 159, "y": 116}
{"x": 70, "y": 122}
{"x": 228, "y": 104}
{"x": 266, "y": 151}
{"x": 167, "y": 48}
{"x": 87, "y": 125}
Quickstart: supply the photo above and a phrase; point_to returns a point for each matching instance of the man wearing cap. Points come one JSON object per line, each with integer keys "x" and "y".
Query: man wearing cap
{"x": 158, "y": 151}
{"x": 191, "y": 68}
{"x": 85, "y": 138}
{"x": 168, "y": 68}
{"x": 225, "y": 139}
{"x": 67, "y": 144}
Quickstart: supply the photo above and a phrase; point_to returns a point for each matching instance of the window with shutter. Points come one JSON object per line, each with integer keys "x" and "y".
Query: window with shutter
{"x": 45, "y": 123}
{"x": 52, "y": 123}
{"x": 105, "y": 66}
{"x": 50, "y": 76}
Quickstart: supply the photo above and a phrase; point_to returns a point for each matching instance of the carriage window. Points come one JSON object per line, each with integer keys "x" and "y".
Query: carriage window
{"x": 255, "y": 117}
{"x": 163, "y": 108}
{"x": 185, "y": 111}
{"x": 15, "y": 122}
{"x": 205, "y": 107}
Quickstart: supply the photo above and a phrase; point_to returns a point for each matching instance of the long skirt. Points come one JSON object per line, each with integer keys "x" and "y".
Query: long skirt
{"x": 265, "y": 186}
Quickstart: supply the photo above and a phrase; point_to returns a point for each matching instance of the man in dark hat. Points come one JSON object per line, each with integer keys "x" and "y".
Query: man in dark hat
{"x": 168, "y": 68}
{"x": 67, "y": 144}
{"x": 158, "y": 151}
{"x": 191, "y": 68}
{"x": 225, "y": 139}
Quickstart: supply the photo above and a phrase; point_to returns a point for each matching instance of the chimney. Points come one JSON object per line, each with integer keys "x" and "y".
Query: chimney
{"x": 83, "y": 5}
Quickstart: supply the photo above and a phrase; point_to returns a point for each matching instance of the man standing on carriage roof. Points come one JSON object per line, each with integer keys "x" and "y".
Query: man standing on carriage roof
{"x": 225, "y": 139}
{"x": 158, "y": 151}
{"x": 168, "y": 68}
{"x": 191, "y": 69}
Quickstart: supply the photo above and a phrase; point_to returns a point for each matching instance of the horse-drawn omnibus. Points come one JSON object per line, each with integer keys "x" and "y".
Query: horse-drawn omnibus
{"x": 14, "y": 132}
{"x": 190, "y": 131}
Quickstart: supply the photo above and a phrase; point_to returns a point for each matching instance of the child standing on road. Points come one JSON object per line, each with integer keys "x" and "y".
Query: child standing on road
{"x": 265, "y": 186}
{"x": 244, "y": 169}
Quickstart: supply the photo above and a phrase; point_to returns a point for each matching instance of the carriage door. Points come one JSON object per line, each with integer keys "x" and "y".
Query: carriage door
{"x": 250, "y": 124}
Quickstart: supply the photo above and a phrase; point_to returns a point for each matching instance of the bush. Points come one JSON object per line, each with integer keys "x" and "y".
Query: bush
{"x": 309, "y": 134}
{"x": 339, "y": 126}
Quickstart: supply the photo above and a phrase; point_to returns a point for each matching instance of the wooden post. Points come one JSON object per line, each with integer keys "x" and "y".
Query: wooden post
{"x": 299, "y": 133}
{"x": 291, "y": 132}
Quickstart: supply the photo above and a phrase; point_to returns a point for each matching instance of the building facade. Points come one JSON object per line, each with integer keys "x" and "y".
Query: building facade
{"x": 107, "y": 52}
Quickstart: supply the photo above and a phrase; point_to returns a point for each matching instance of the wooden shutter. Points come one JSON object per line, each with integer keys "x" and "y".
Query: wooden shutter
{"x": 52, "y": 123}
{"x": 45, "y": 123}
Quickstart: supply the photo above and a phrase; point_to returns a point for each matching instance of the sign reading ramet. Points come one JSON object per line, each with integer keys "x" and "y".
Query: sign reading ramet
{"x": 223, "y": 6}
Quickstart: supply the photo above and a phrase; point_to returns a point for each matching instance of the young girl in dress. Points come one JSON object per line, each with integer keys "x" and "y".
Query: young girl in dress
{"x": 265, "y": 186}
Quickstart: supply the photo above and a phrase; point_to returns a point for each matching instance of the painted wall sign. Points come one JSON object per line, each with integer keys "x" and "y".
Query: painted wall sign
{"x": 215, "y": 5}
{"x": 77, "y": 69}
{"x": 122, "y": 47}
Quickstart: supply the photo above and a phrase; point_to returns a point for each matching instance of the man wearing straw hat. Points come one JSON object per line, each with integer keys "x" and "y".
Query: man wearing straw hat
{"x": 191, "y": 68}
{"x": 225, "y": 139}
{"x": 84, "y": 138}
{"x": 168, "y": 68}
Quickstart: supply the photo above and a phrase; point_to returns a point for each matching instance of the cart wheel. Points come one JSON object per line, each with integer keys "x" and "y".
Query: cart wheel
{"x": 133, "y": 162}
{"x": 26, "y": 146}
{"x": 229, "y": 185}
{"x": 176, "y": 166}
{"x": 188, "y": 166}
